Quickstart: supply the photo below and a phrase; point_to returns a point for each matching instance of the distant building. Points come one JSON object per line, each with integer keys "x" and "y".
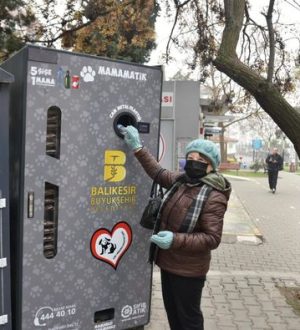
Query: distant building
{"x": 186, "y": 114}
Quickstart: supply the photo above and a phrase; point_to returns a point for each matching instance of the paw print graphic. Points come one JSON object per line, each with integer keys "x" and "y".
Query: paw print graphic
{"x": 59, "y": 267}
{"x": 35, "y": 291}
{"x": 29, "y": 170}
{"x": 87, "y": 73}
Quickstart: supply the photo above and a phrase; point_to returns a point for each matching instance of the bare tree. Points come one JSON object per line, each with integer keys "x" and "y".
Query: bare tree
{"x": 244, "y": 57}
{"x": 264, "y": 91}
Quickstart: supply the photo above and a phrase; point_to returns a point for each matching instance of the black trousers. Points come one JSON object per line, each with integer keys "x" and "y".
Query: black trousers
{"x": 182, "y": 299}
{"x": 273, "y": 176}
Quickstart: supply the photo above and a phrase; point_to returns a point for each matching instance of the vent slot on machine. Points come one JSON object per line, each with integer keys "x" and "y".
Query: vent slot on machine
{"x": 53, "y": 132}
{"x": 104, "y": 315}
{"x": 50, "y": 220}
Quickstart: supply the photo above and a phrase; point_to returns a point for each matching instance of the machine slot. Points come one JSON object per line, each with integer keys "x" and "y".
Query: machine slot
{"x": 124, "y": 119}
{"x": 30, "y": 205}
{"x": 50, "y": 220}
{"x": 104, "y": 315}
{"x": 53, "y": 132}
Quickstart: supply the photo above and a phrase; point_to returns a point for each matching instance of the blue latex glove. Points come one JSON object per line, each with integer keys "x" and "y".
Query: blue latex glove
{"x": 131, "y": 136}
{"x": 163, "y": 239}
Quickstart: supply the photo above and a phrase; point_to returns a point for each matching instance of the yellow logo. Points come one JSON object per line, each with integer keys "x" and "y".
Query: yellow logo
{"x": 114, "y": 171}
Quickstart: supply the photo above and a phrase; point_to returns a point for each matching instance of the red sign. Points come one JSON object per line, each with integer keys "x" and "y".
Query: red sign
{"x": 167, "y": 99}
{"x": 75, "y": 82}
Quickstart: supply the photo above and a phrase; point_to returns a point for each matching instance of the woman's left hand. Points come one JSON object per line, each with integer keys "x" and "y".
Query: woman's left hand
{"x": 163, "y": 239}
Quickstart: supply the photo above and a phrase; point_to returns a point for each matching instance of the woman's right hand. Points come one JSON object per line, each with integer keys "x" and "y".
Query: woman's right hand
{"x": 131, "y": 137}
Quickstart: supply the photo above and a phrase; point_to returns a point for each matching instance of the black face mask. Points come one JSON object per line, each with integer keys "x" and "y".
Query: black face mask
{"x": 195, "y": 169}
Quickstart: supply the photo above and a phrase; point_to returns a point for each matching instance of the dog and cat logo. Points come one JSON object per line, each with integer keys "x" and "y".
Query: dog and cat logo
{"x": 110, "y": 246}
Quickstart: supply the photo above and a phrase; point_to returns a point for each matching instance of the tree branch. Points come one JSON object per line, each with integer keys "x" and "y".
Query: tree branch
{"x": 178, "y": 6}
{"x": 171, "y": 34}
{"x": 265, "y": 93}
{"x": 241, "y": 119}
{"x": 271, "y": 41}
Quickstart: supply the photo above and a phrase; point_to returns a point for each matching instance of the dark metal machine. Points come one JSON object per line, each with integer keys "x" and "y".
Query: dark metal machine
{"x": 5, "y": 295}
{"x": 79, "y": 255}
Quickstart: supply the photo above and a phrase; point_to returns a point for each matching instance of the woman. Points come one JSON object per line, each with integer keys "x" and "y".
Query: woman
{"x": 191, "y": 223}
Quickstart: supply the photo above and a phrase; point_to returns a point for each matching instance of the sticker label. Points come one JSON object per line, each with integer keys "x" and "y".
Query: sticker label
{"x": 125, "y": 107}
{"x": 105, "y": 326}
{"x": 112, "y": 198}
{"x": 110, "y": 246}
{"x": 41, "y": 76}
{"x": 114, "y": 171}
{"x": 46, "y": 314}
{"x": 135, "y": 311}
{"x": 120, "y": 73}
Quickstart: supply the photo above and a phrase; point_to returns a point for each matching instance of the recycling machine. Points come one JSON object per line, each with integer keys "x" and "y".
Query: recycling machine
{"x": 5, "y": 295}
{"x": 78, "y": 253}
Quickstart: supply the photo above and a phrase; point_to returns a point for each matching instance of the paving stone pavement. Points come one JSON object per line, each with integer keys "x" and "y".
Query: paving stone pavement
{"x": 241, "y": 290}
{"x": 236, "y": 300}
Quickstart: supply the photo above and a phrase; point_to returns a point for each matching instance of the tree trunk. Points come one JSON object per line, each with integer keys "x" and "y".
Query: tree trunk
{"x": 265, "y": 93}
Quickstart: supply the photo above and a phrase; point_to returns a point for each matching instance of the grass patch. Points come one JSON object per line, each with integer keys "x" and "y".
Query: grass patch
{"x": 292, "y": 297}
{"x": 249, "y": 174}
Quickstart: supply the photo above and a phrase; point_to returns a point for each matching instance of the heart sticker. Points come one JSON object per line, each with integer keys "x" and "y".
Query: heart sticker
{"x": 110, "y": 246}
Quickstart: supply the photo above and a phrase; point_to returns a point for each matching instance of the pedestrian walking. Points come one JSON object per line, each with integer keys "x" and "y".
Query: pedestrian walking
{"x": 274, "y": 163}
{"x": 190, "y": 226}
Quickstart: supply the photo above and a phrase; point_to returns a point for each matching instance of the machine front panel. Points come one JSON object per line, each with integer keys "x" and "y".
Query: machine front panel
{"x": 84, "y": 252}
